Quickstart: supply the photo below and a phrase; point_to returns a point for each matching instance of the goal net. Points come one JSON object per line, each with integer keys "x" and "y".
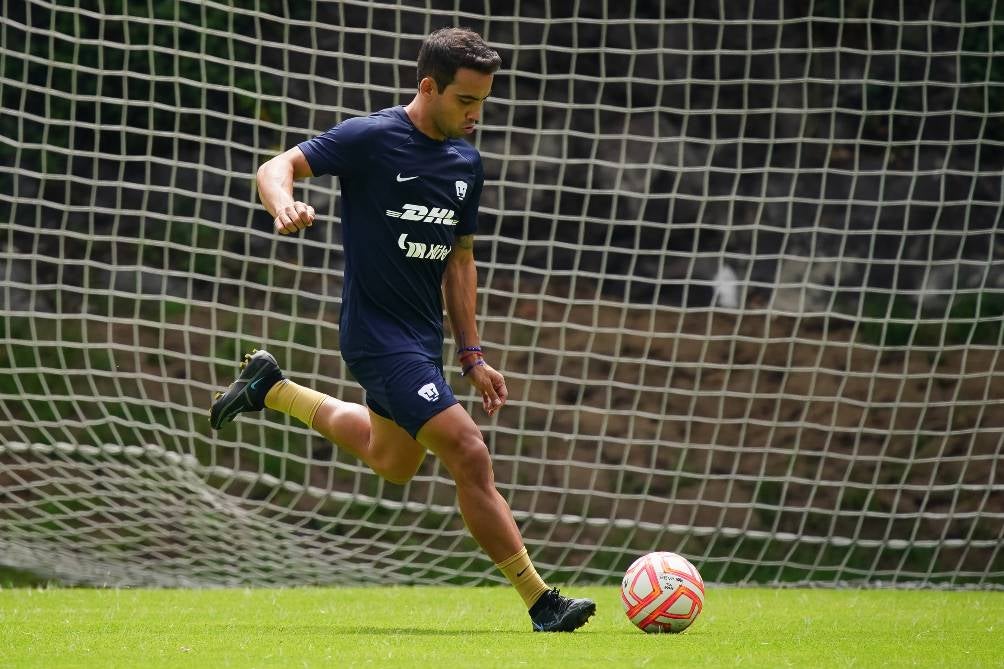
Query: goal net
{"x": 742, "y": 269}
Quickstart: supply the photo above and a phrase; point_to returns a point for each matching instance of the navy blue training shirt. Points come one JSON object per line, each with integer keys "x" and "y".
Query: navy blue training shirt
{"x": 405, "y": 198}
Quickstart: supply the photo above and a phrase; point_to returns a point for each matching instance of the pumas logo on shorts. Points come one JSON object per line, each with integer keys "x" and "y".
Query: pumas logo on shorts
{"x": 429, "y": 392}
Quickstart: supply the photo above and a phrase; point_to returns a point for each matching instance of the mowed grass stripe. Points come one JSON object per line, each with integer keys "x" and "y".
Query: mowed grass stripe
{"x": 444, "y": 627}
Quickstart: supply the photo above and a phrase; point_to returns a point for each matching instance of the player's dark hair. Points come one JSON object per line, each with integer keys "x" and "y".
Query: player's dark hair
{"x": 446, "y": 50}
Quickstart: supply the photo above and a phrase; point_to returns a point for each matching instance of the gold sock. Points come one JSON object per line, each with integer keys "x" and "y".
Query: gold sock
{"x": 524, "y": 577}
{"x": 293, "y": 399}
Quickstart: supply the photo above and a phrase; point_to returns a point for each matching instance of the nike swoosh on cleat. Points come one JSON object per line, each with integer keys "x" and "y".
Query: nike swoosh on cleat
{"x": 401, "y": 178}
{"x": 254, "y": 383}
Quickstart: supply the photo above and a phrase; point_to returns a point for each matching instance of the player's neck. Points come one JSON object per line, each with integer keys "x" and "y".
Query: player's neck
{"x": 418, "y": 117}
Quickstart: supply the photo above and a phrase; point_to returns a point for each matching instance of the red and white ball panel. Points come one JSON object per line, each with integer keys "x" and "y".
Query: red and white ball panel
{"x": 662, "y": 592}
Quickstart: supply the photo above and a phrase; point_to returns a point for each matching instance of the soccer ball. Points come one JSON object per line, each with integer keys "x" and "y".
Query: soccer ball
{"x": 662, "y": 592}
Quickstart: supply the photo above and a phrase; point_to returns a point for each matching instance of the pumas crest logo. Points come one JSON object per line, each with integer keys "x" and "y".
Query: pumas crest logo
{"x": 429, "y": 392}
{"x": 461, "y": 189}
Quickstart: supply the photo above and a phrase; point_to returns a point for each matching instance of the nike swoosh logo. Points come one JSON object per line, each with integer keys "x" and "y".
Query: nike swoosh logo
{"x": 520, "y": 573}
{"x": 254, "y": 383}
{"x": 401, "y": 178}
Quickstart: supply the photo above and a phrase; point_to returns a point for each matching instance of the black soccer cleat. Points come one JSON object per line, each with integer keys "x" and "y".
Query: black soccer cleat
{"x": 554, "y": 613}
{"x": 259, "y": 372}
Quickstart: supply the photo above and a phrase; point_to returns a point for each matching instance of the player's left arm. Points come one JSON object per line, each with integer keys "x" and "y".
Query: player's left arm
{"x": 460, "y": 288}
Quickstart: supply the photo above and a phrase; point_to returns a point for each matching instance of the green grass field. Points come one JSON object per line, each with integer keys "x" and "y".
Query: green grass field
{"x": 487, "y": 627}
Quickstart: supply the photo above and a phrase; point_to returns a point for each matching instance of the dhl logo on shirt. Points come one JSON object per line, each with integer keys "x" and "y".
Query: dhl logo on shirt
{"x": 418, "y": 212}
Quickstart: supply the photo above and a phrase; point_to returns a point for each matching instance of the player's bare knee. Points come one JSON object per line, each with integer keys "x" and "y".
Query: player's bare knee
{"x": 471, "y": 464}
{"x": 398, "y": 473}
{"x": 390, "y": 477}
{"x": 394, "y": 465}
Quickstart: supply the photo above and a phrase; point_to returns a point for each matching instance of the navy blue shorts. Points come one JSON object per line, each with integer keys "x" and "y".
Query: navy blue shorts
{"x": 407, "y": 388}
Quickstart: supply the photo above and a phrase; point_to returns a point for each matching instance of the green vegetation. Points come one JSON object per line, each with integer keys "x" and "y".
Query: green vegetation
{"x": 970, "y": 78}
{"x": 17, "y": 578}
{"x": 971, "y": 318}
{"x": 487, "y": 627}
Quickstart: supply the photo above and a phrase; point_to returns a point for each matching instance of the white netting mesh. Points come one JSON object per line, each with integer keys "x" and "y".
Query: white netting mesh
{"x": 741, "y": 267}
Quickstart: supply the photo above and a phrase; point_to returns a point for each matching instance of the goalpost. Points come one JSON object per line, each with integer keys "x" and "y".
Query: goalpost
{"x": 741, "y": 268}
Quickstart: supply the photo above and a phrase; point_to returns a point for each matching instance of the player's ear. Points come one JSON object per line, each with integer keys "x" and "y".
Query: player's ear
{"x": 427, "y": 86}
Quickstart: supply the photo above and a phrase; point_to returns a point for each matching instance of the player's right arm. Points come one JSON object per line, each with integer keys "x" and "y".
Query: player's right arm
{"x": 275, "y": 189}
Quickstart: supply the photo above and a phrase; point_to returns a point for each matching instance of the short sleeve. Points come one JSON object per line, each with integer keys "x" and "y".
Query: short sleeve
{"x": 468, "y": 224}
{"x": 340, "y": 149}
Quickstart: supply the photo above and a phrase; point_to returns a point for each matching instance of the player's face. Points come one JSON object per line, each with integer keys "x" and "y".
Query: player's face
{"x": 456, "y": 110}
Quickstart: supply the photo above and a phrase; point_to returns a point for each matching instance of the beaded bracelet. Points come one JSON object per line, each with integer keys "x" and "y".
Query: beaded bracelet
{"x": 469, "y": 352}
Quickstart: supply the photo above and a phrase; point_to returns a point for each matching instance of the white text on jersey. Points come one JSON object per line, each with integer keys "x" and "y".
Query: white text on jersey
{"x": 423, "y": 250}
{"x": 417, "y": 212}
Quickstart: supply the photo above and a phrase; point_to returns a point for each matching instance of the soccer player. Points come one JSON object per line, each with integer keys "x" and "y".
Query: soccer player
{"x": 410, "y": 193}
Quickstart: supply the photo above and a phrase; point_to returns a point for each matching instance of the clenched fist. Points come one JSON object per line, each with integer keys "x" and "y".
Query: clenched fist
{"x": 294, "y": 218}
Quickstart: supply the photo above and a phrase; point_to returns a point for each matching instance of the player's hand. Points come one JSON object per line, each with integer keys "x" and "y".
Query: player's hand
{"x": 293, "y": 218}
{"x": 491, "y": 384}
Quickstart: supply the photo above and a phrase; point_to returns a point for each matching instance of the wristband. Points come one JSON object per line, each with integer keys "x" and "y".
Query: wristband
{"x": 467, "y": 353}
{"x": 477, "y": 363}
